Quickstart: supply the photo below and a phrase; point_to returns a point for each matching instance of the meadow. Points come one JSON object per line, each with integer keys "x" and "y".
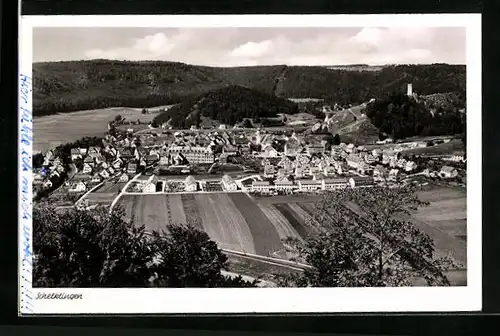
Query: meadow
{"x": 53, "y": 130}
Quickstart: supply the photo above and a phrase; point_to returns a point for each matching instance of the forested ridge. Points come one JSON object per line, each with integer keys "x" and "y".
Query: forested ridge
{"x": 80, "y": 85}
{"x": 228, "y": 105}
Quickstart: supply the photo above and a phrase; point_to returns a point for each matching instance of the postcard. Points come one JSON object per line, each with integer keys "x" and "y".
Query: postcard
{"x": 249, "y": 164}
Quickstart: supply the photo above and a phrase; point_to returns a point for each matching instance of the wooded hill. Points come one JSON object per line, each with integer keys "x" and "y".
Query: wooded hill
{"x": 228, "y": 105}
{"x": 80, "y": 85}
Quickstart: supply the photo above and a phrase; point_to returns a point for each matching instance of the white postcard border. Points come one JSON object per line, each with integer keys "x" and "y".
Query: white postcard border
{"x": 267, "y": 300}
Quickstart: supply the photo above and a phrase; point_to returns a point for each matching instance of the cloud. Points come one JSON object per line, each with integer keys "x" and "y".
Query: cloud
{"x": 257, "y": 46}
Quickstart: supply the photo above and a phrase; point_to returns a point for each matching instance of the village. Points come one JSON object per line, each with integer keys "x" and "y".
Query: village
{"x": 261, "y": 161}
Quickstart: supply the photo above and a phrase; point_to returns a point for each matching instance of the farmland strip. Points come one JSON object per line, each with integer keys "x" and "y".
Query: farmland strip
{"x": 191, "y": 211}
{"x": 265, "y": 236}
{"x": 281, "y": 224}
{"x": 297, "y": 222}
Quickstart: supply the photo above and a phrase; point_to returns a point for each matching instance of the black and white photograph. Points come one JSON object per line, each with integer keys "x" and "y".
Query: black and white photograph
{"x": 251, "y": 157}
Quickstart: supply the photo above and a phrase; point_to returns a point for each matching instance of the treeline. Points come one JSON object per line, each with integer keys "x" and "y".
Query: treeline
{"x": 81, "y": 85}
{"x": 63, "y": 151}
{"x": 88, "y": 249}
{"x": 356, "y": 87}
{"x": 229, "y": 105}
{"x": 400, "y": 116}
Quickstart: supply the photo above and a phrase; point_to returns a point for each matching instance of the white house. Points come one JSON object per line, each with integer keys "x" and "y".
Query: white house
{"x": 329, "y": 171}
{"x": 261, "y": 186}
{"x": 104, "y": 174}
{"x": 284, "y": 185}
{"x": 361, "y": 182}
{"x": 190, "y": 184}
{"x": 228, "y": 183}
{"x": 117, "y": 163}
{"x": 309, "y": 185}
{"x": 269, "y": 151}
{"x": 123, "y": 178}
{"x": 393, "y": 174}
{"x": 410, "y": 166}
{"x": 335, "y": 184}
{"x": 150, "y": 186}
{"x": 78, "y": 187}
{"x": 448, "y": 172}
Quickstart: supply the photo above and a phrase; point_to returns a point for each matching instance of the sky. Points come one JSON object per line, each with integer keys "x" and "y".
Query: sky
{"x": 254, "y": 46}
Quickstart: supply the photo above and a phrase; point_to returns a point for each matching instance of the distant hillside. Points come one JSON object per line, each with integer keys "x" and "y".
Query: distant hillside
{"x": 228, "y": 105}
{"x": 81, "y": 85}
{"x": 400, "y": 116}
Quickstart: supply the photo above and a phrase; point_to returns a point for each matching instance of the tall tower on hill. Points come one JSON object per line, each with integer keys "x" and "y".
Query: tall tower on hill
{"x": 409, "y": 90}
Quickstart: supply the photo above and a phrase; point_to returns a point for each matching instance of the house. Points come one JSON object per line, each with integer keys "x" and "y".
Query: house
{"x": 152, "y": 158}
{"x": 269, "y": 170}
{"x": 228, "y": 183}
{"x": 75, "y": 153}
{"x": 142, "y": 163}
{"x": 193, "y": 154}
{"x": 117, "y": 163}
{"x": 78, "y": 187}
{"x": 89, "y": 160}
{"x": 410, "y": 166}
{"x": 376, "y": 153}
{"x": 350, "y": 148}
{"x": 190, "y": 184}
{"x": 309, "y": 185}
{"x": 96, "y": 178}
{"x": 123, "y": 178}
{"x": 361, "y": 182}
{"x": 60, "y": 169}
{"x": 87, "y": 169}
{"x": 353, "y": 161}
{"x": 363, "y": 168}
{"x": 370, "y": 159}
{"x": 292, "y": 148}
{"x": 379, "y": 171}
{"x": 56, "y": 162}
{"x": 104, "y": 174}
{"x": 111, "y": 170}
{"x": 132, "y": 168}
{"x": 299, "y": 171}
{"x": 329, "y": 170}
{"x": 315, "y": 171}
{"x": 393, "y": 174}
{"x": 335, "y": 184}
{"x": 261, "y": 186}
{"x": 104, "y": 165}
{"x": 448, "y": 172}
{"x": 99, "y": 158}
{"x": 93, "y": 149}
{"x": 229, "y": 150}
{"x": 269, "y": 151}
{"x": 284, "y": 185}
{"x": 223, "y": 158}
{"x": 315, "y": 149}
{"x": 125, "y": 153}
{"x": 150, "y": 186}
{"x": 164, "y": 160}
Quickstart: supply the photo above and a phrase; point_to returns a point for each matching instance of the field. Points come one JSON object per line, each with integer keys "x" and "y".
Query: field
{"x": 100, "y": 198}
{"x": 53, "y": 130}
{"x": 110, "y": 187}
{"x": 258, "y": 225}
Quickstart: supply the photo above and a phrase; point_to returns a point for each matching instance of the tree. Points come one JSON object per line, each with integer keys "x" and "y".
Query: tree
{"x": 118, "y": 118}
{"x": 84, "y": 249}
{"x": 363, "y": 239}
{"x": 38, "y": 160}
{"x": 154, "y": 124}
{"x": 336, "y": 140}
{"x": 99, "y": 249}
{"x": 144, "y": 111}
{"x": 188, "y": 258}
{"x": 247, "y": 124}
